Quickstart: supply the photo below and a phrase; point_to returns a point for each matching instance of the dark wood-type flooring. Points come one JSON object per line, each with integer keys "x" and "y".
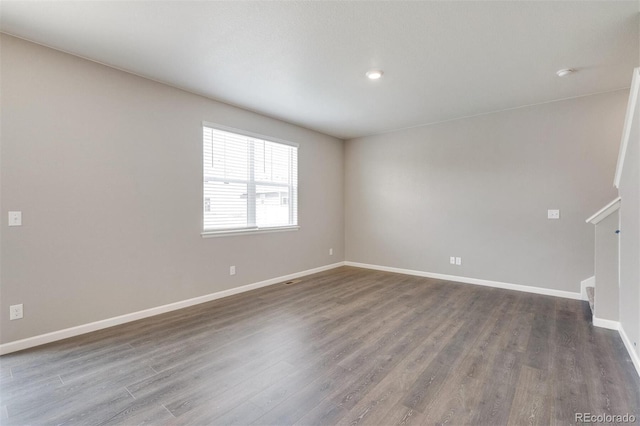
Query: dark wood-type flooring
{"x": 347, "y": 346}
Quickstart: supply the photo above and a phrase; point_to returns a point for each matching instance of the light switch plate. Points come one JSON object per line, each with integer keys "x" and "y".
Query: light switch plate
{"x": 15, "y": 218}
{"x": 458, "y": 261}
{"x": 553, "y": 214}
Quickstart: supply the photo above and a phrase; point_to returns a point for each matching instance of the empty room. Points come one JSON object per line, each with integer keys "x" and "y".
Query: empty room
{"x": 319, "y": 212}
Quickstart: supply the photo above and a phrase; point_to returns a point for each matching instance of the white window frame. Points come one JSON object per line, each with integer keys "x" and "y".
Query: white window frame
{"x": 250, "y": 205}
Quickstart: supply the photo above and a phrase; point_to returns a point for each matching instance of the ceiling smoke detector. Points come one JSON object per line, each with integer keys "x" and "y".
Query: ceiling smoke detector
{"x": 565, "y": 72}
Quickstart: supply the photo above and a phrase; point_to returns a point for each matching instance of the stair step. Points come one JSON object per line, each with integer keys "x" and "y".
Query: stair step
{"x": 591, "y": 294}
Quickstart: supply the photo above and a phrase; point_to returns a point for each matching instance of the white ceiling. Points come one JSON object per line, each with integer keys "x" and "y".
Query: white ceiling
{"x": 305, "y": 62}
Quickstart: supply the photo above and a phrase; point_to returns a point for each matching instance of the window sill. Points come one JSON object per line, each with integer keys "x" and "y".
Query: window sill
{"x": 227, "y": 233}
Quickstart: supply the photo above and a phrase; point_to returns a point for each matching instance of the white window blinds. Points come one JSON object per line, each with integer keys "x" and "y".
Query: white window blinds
{"x": 249, "y": 183}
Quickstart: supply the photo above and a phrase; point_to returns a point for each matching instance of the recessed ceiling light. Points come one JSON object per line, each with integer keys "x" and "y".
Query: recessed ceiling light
{"x": 374, "y": 74}
{"x": 565, "y": 72}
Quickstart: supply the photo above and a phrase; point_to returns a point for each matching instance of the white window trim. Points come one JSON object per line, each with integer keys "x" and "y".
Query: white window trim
{"x": 248, "y": 134}
{"x": 247, "y": 231}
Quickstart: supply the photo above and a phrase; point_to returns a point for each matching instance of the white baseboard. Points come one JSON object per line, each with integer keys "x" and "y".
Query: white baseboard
{"x": 467, "y": 280}
{"x": 589, "y": 282}
{"x": 615, "y": 325}
{"x": 631, "y": 349}
{"x": 42, "y": 339}
{"x": 604, "y": 323}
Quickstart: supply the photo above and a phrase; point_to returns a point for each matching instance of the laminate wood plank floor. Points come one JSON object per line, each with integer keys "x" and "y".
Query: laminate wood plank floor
{"x": 347, "y": 346}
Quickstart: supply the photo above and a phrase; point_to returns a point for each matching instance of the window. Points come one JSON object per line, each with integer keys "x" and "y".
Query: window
{"x": 250, "y": 183}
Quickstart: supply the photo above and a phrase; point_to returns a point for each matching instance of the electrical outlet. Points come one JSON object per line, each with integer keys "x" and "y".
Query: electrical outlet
{"x": 458, "y": 261}
{"x": 330, "y": 252}
{"x": 15, "y": 219}
{"x": 15, "y": 312}
{"x": 553, "y": 214}
{"x": 232, "y": 270}
{"x": 452, "y": 260}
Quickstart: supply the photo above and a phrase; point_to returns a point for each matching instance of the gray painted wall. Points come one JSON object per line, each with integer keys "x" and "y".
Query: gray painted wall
{"x": 480, "y": 187}
{"x": 630, "y": 236}
{"x": 107, "y": 170}
{"x": 606, "y": 269}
